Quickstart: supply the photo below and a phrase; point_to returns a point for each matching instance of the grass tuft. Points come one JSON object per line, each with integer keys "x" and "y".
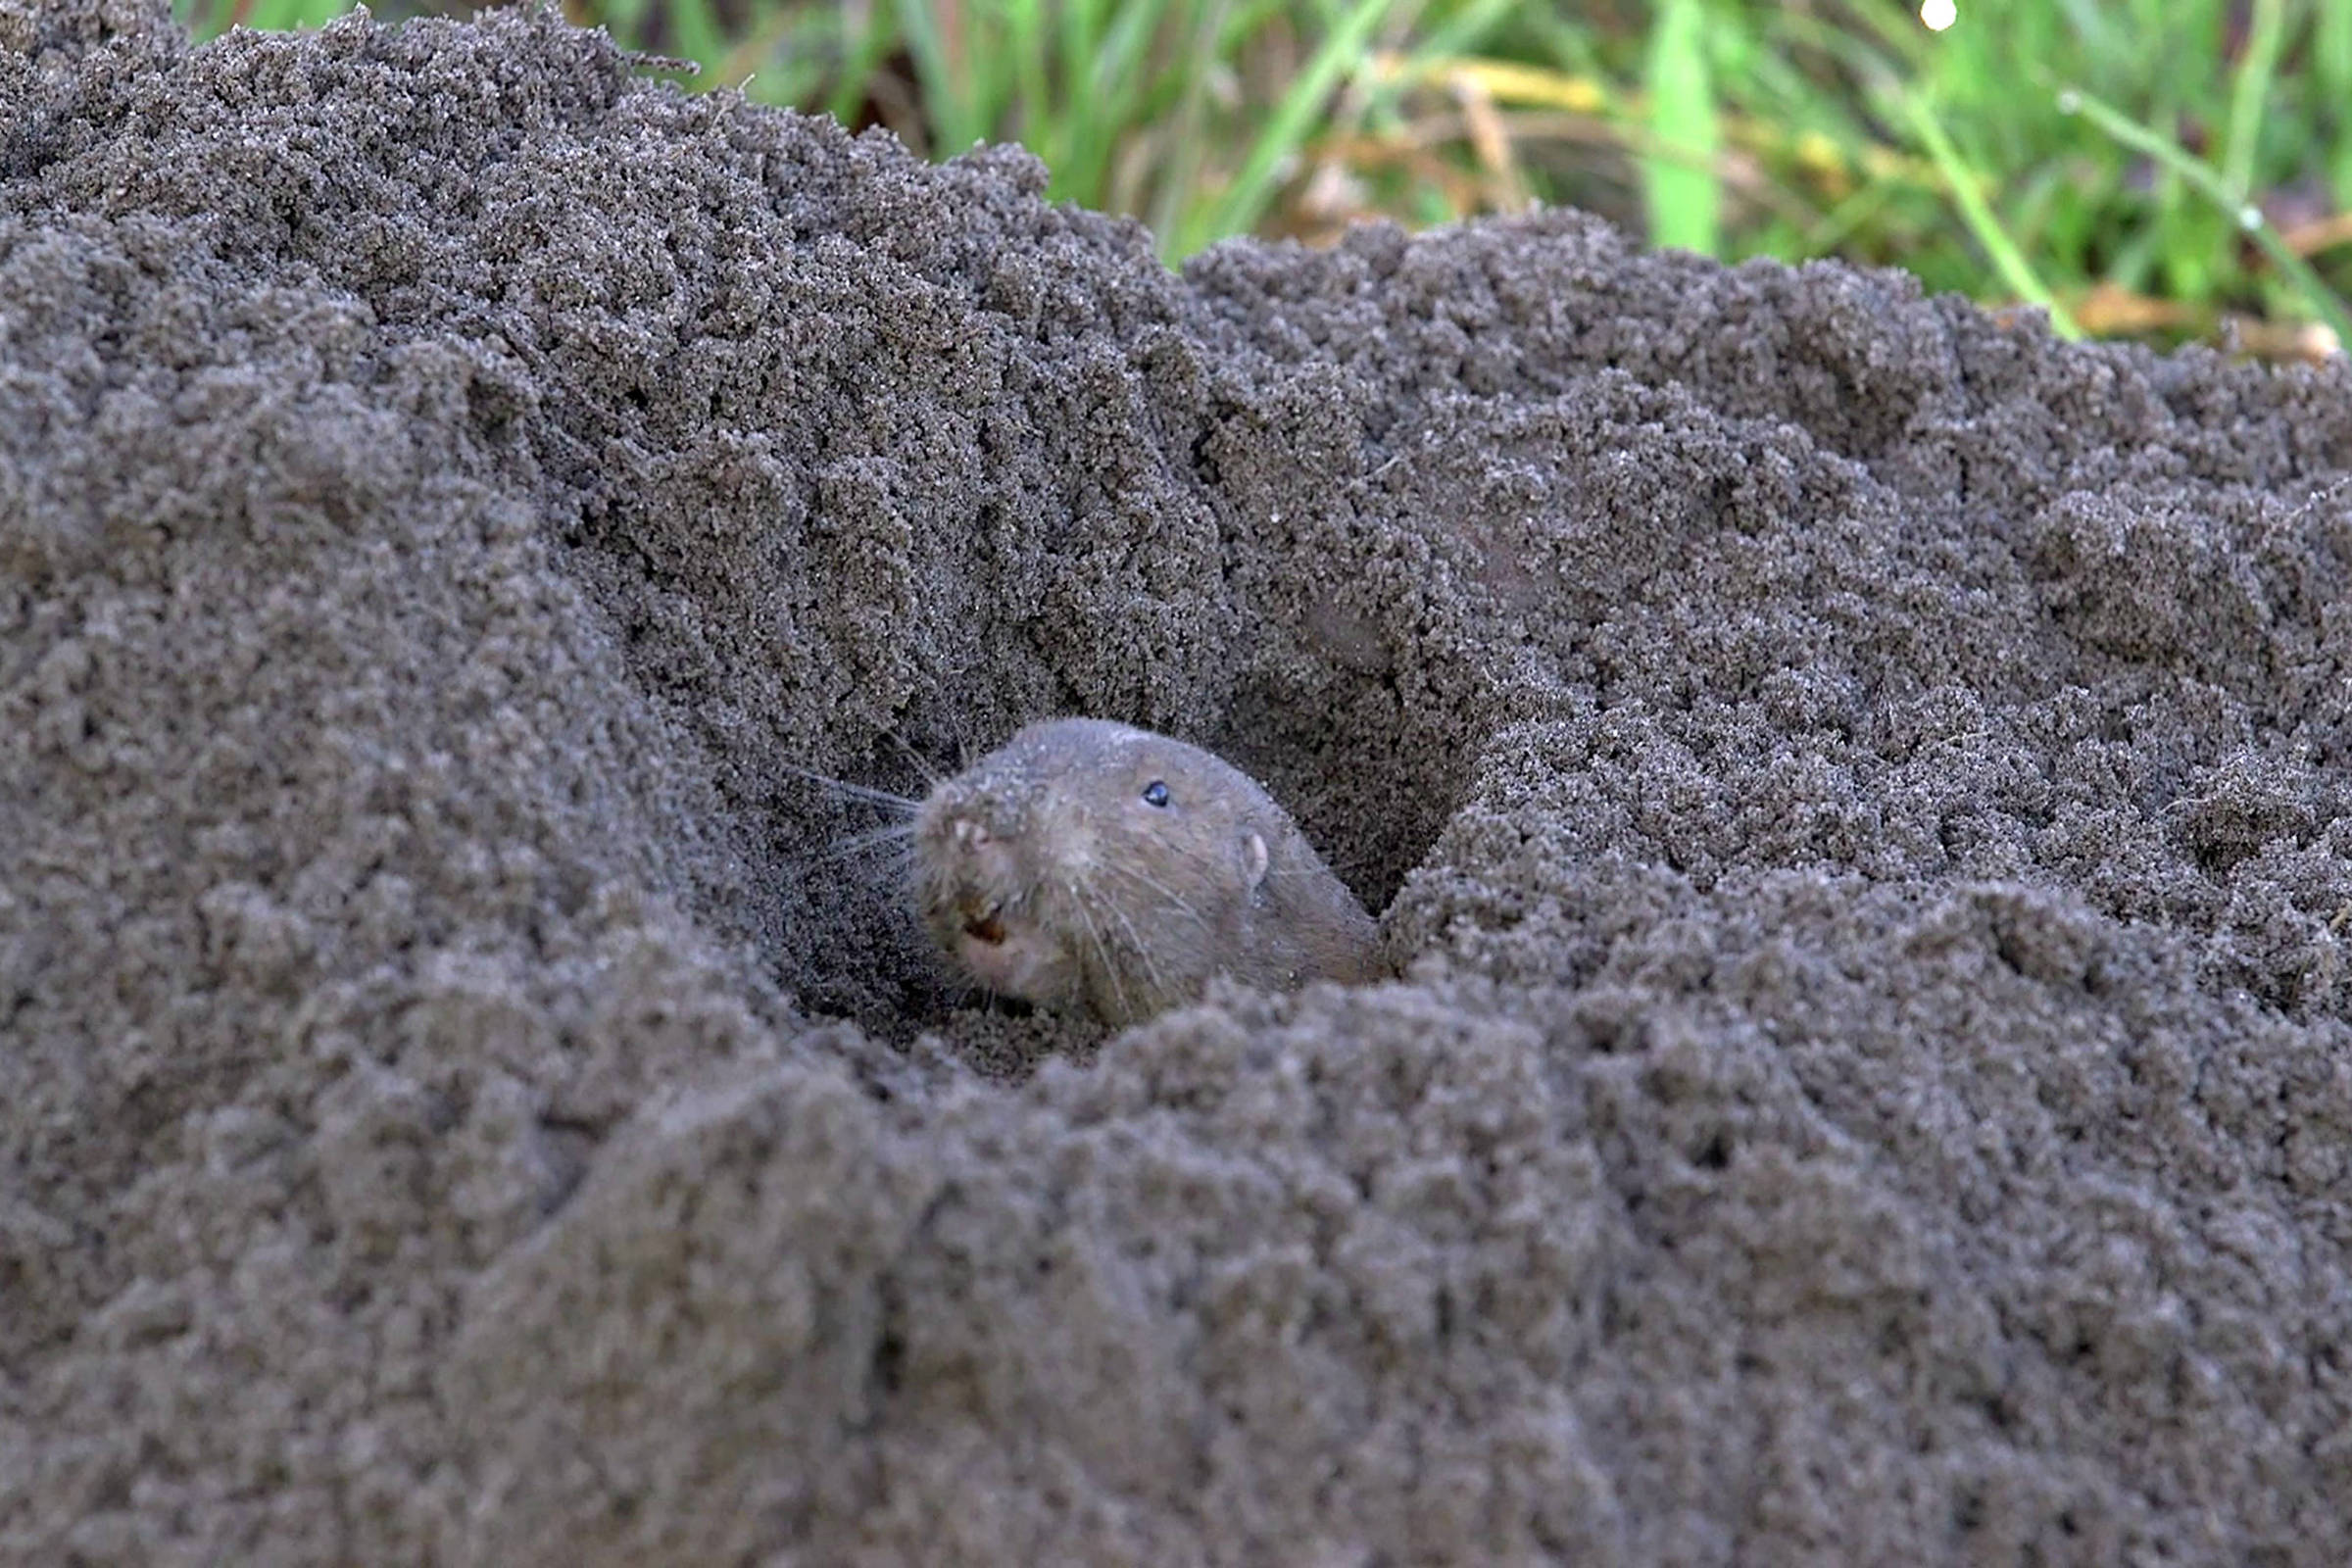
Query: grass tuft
{"x": 2228, "y": 199}
{"x": 266, "y": 15}
{"x": 1731, "y": 127}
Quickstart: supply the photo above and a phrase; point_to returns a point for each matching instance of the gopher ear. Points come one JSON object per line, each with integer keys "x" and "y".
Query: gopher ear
{"x": 1253, "y": 858}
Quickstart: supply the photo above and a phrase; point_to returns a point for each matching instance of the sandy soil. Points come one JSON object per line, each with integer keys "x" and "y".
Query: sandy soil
{"x": 1858, "y": 790}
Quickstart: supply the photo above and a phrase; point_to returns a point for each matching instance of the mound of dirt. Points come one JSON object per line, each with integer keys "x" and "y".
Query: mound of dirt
{"x": 1857, "y": 791}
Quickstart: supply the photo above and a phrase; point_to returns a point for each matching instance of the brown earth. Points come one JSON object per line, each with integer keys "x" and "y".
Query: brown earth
{"x": 1859, "y": 789}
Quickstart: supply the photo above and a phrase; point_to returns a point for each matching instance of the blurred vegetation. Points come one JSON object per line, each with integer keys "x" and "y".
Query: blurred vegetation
{"x": 2161, "y": 169}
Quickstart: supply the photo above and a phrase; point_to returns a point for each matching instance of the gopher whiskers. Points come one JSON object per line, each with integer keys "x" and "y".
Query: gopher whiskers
{"x": 899, "y": 806}
{"x": 1170, "y": 898}
{"x": 896, "y": 838}
{"x": 1143, "y": 951}
{"x": 932, "y": 777}
{"x": 1102, "y": 949}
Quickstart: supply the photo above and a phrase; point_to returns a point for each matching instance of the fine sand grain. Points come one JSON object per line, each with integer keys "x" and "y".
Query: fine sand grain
{"x": 1858, "y": 790}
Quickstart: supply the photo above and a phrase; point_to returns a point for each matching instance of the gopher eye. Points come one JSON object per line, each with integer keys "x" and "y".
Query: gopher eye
{"x": 1155, "y": 793}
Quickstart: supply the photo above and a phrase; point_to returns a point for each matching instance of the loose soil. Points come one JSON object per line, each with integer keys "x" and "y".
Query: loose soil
{"x": 1857, "y": 791}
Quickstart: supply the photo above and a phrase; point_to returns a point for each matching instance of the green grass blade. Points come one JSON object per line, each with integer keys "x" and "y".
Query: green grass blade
{"x": 1080, "y": 28}
{"x": 2251, "y": 91}
{"x": 1464, "y": 31}
{"x": 1104, "y": 86}
{"x": 2321, "y": 300}
{"x": 1027, "y": 39}
{"x": 862, "y": 53}
{"x": 1683, "y": 193}
{"x": 1245, "y": 22}
{"x": 1183, "y": 171}
{"x": 699, "y": 33}
{"x": 1343, "y": 54}
{"x": 1968, "y": 191}
{"x": 1117, "y": 73}
{"x": 947, "y": 97}
{"x": 1847, "y": 217}
{"x": 2331, "y": 65}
